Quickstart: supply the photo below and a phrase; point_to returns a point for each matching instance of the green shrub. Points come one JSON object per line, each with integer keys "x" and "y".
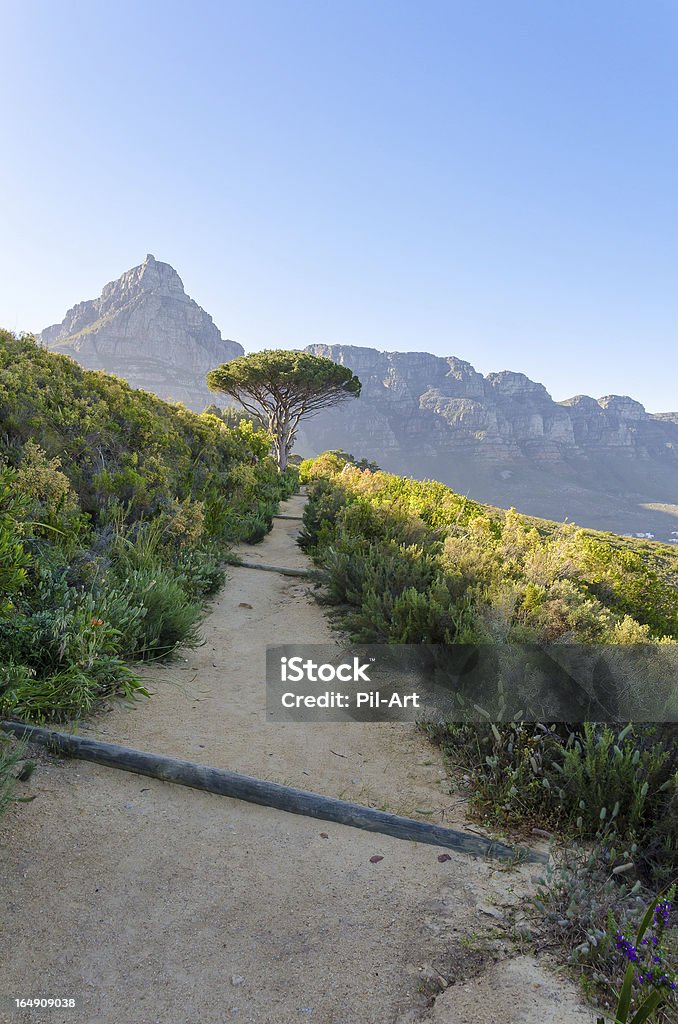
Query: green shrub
{"x": 407, "y": 561}
{"x": 529, "y": 579}
{"x": 320, "y": 514}
{"x": 588, "y": 781}
{"x": 169, "y": 618}
{"x": 116, "y": 512}
{"x": 325, "y": 465}
{"x": 200, "y": 573}
{"x": 14, "y": 559}
{"x": 256, "y": 529}
{"x": 11, "y": 754}
{"x": 608, "y": 932}
{"x": 66, "y": 694}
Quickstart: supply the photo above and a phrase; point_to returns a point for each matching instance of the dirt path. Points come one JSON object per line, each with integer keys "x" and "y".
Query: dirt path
{"x": 150, "y": 903}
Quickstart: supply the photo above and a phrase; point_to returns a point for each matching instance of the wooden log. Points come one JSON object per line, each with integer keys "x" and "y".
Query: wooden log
{"x": 282, "y": 569}
{"x": 269, "y": 794}
{"x": 297, "y": 519}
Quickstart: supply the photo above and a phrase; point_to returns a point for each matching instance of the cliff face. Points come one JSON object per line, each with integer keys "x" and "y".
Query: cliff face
{"x": 145, "y": 328}
{"x": 605, "y": 463}
{"x": 503, "y": 439}
{"x": 427, "y": 405}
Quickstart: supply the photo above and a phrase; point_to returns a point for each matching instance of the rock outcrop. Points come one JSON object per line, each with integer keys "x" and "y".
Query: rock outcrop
{"x": 503, "y": 439}
{"x": 145, "y": 328}
{"x": 420, "y": 404}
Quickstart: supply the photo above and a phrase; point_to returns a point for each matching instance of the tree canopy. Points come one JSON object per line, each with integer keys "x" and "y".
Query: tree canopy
{"x": 284, "y": 386}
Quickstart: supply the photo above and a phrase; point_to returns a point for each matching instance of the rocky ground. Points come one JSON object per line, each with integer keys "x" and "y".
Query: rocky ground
{"x": 147, "y": 902}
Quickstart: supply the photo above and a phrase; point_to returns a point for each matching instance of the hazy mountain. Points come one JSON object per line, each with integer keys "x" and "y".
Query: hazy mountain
{"x": 145, "y": 328}
{"x": 503, "y": 439}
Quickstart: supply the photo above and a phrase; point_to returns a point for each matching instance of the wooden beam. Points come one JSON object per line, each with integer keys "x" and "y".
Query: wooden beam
{"x": 269, "y": 794}
{"x": 284, "y": 570}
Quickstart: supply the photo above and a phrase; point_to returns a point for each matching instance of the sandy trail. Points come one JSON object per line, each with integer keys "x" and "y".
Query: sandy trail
{"x": 210, "y": 706}
{"x": 147, "y": 902}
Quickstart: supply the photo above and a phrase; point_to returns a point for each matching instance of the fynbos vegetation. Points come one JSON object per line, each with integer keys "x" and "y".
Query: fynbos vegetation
{"x": 412, "y": 562}
{"x": 115, "y": 512}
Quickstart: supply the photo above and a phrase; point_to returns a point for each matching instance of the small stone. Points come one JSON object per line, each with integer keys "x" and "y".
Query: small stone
{"x": 236, "y": 979}
{"x": 492, "y": 912}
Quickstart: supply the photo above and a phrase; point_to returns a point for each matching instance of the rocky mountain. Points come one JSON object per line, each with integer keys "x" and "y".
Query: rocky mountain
{"x": 501, "y": 438}
{"x": 605, "y": 462}
{"x": 145, "y": 328}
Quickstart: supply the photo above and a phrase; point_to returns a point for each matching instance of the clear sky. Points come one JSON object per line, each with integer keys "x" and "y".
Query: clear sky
{"x": 492, "y": 179}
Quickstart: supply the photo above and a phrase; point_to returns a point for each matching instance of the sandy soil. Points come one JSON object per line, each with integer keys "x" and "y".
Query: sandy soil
{"x": 150, "y": 903}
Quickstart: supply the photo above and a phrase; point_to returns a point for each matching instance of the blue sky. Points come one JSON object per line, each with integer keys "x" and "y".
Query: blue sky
{"x": 495, "y": 179}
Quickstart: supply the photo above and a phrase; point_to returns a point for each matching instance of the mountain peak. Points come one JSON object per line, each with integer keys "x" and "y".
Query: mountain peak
{"x": 149, "y": 276}
{"x": 146, "y": 329}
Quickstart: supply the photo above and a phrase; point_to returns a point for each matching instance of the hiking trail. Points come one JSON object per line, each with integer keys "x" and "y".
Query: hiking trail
{"x": 154, "y": 904}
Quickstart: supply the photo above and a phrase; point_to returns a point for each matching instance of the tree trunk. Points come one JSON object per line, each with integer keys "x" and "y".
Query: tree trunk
{"x": 283, "y": 441}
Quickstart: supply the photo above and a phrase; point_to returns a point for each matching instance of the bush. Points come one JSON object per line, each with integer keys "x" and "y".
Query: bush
{"x": 608, "y": 932}
{"x": 169, "y": 618}
{"x": 11, "y": 754}
{"x": 587, "y": 781}
{"x": 116, "y": 511}
{"x": 14, "y": 559}
{"x": 563, "y": 583}
{"x": 331, "y": 463}
{"x": 407, "y": 561}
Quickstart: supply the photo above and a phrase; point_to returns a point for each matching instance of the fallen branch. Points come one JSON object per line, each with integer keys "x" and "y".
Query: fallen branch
{"x": 270, "y": 794}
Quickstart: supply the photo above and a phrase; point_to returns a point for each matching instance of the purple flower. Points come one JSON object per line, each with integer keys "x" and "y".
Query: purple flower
{"x": 627, "y": 948}
{"x": 661, "y": 913}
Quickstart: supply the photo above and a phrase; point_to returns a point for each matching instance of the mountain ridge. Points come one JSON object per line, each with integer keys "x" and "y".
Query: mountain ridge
{"x": 503, "y": 414}
{"x": 501, "y": 437}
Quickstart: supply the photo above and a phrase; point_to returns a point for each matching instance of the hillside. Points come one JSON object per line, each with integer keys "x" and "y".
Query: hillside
{"x": 406, "y": 562}
{"x": 605, "y": 463}
{"x": 115, "y": 513}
